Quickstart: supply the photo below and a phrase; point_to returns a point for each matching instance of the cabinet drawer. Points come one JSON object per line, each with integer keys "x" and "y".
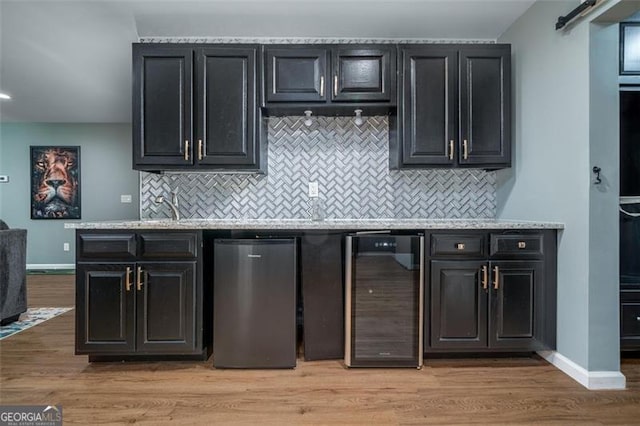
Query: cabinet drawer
{"x": 520, "y": 245}
{"x": 94, "y": 246}
{"x": 168, "y": 244}
{"x": 457, "y": 245}
{"x": 630, "y": 316}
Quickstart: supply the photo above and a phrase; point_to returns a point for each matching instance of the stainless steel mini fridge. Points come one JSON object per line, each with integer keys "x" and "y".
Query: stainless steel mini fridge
{"x": 254, "y": 305}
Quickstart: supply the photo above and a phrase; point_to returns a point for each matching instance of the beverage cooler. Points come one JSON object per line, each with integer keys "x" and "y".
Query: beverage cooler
{"x": 384, "y": 292}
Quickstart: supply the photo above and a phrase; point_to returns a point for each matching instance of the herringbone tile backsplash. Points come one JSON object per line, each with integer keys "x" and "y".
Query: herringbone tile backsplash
{"x": 350, "y": 164}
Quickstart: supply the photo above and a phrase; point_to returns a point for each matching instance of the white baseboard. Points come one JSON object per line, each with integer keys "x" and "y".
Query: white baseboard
{"x": 31, "y": 266}
{"x": 592, "y": 380}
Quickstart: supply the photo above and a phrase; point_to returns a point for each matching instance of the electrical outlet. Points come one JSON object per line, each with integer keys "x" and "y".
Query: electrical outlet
{"x": 65, "y": 247}
{"x": 313, "y": 189}
{"x": 125, "y": 199}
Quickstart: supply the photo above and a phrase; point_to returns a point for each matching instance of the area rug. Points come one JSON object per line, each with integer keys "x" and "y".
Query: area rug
{"x": 32, "y": 317}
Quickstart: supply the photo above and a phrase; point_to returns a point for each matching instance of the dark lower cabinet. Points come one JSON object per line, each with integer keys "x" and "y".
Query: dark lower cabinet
{"x": 166, "y": 307}
{"x": 492, "y": 305}
{"x": 630, "y": 320}
{"x": 516, "y": 300}
{"x": 322, "y": 276}
{"x": 105, "y": 308}
{"x": 458, "y": 305}
{"x": 140, "y": 308}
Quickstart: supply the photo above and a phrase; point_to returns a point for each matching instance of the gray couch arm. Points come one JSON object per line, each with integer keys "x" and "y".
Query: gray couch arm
{"x": 13, "y": 274}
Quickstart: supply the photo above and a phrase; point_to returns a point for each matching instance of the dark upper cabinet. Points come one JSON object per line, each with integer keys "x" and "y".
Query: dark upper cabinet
{"x": 226, "y": 110}
{"x": 162, "y": 105}
{"x": 330, "y": 74}
{"x": 363, "y": 74}
{"x": 296, "y": 74}
{"x": 195, "y": 107}
{"x": 485, "y": 106}
{"x": 454, "y": 107}
{"x": 428, "y": 106}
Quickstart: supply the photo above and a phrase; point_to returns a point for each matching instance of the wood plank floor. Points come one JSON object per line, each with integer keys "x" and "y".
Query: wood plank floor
{"x": 38, "y": 366}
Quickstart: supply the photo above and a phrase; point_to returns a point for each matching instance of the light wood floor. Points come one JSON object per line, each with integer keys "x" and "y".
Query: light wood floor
{"x": 38, "y": 367}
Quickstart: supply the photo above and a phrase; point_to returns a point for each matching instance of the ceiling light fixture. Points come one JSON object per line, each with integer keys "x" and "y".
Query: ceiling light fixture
{"x": 4, "y": 96}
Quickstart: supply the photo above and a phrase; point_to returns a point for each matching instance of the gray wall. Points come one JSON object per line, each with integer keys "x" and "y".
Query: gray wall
{"x": 604, "y": 224}
{"x": 105, "y": 169}
{"x": 561, "y": 131}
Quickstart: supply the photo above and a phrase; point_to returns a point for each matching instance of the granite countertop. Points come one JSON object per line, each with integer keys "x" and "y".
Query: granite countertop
{"x": 295, "y": 224}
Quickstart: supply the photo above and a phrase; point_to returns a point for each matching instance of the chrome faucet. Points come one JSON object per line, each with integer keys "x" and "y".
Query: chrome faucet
{"x": 175, "y": 213}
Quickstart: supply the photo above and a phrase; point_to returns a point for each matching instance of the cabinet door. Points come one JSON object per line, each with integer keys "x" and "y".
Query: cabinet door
{"x": 515, "y": 304}
{"x": 165, "y": 305}
{"x": 322, "y": 278}
{"x": 105, "y": 308}
{"x": 363, "y": 74}
{"x": 485, "y": 105}
{"x": 630, "y": 320}
{"x": 429, "y": 102}
{"x": 162, "y": 94}
{"x": 458, "y": 305}
{"x": 226, "y": 88}
{"x": 296, "y": 74}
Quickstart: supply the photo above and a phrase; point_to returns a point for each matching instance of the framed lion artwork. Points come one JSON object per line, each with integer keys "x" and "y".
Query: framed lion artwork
{"x": 55, "y": 182}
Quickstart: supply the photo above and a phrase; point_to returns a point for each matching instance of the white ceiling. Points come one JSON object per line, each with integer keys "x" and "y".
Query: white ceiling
{"x": 70, "y": 61}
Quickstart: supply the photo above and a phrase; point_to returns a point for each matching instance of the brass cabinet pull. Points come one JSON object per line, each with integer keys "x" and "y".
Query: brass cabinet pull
{"x": 322, "y": 86}
{"x": 335, "y": 86}
{"x": 465, "y": 149}
{"x": 496, "y": 282}
{"x": 186, "y": 150}
{"x": 522, "y": 244}
{"x": 485, "y": 277}
{"x": 139, "y": 280}
{"x": 200, "y": 156}
{"x": 451, "y": 149}
{"x": 127, "y": 280}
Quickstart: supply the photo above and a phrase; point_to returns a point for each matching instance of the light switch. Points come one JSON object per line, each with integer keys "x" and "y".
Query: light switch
{"x": 125, "y": 199}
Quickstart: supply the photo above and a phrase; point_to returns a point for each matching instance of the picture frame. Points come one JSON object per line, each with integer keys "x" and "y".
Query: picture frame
{"x": 55, "y": 182}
